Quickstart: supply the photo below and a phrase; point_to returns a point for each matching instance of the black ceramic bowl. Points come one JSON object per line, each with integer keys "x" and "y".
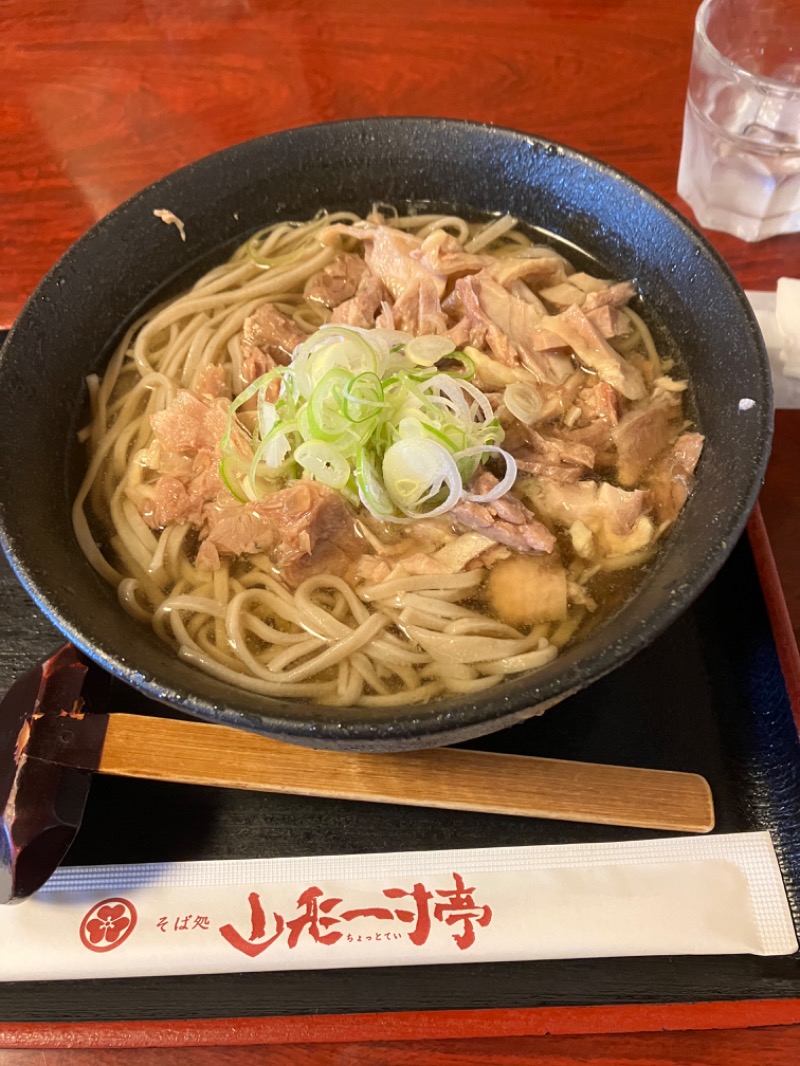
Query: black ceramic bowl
{"x": 127, "y": 260}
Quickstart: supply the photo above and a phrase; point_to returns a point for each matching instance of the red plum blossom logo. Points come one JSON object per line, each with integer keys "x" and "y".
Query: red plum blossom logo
{"x": 108, "y": 924}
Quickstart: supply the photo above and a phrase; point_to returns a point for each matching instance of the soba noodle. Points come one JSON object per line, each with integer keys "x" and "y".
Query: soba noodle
{"x": 395, "y": 631}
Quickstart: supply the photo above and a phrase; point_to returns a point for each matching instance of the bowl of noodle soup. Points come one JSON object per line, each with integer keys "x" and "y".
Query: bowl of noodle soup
{"x": 380, "y": 434}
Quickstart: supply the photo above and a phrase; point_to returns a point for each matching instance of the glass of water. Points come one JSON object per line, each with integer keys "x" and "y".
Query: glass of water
{"x": 740, "y": 160}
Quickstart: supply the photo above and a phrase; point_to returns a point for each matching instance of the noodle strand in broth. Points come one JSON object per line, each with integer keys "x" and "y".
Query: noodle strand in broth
{"x": 475, "y": 536}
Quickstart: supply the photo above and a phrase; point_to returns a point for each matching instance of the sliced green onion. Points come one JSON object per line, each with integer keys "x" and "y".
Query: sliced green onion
{"x": 368, "y": 413}
{"x": 371, "y": 489}
{"x": 363, "y": 397}
{"x": 273, "y": 451}
{"x": 448, "y": 385}
{"x": 253, "y": 389}
{"x": 524, "y": 402}
{"x": 468, "y": 364}
{"x": 267, "y": 414}
{"x": 232, "y": 469}
{"x": 416, "y": 473}
{"x": 326, "y": 417}
{"x": 324, "y": 463}
{"x": 329, "y": 348}
{"x": 428, "y": 350}
{"x": 503, "y": 486}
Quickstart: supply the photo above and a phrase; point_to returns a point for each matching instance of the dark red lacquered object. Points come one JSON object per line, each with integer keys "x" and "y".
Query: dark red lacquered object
{"x": 42, "y": 803}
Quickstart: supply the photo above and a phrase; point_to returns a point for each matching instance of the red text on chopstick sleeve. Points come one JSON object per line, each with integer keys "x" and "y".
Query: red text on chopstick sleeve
{"x": 318, "y": 916}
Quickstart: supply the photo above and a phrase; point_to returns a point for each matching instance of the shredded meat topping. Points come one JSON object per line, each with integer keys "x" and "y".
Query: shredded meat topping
{"x": 525, "y": 317}
{"x": 506, "y": 520}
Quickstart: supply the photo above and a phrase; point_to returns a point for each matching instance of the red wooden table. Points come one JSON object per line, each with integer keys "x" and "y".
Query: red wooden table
{"x": 100, "y": 97}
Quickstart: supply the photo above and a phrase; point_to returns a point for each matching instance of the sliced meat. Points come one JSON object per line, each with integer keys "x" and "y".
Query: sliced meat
{"x": 211, "y": 382}
{"x": 389, "y": 257}
{"x": 418, "y": 310}
{"x": 233, "y": 529}
{"x": 499, "y": 343}
{"x": 177, "y": 498}
{"x": 590, "y": 294}
{"x": 388, "y": 253}
{"x": 545, "y": 341}
{"x": 563, "y": 295}
{"x": 529, "y": 462}
{"x": 268, "y": 340}
{"x": 506, "y": 520}
{"x": 550, "y": 457}
{"x": 614, "y": 295}
{"x": 565, "y": 504}
{"x": 513, "y": 327}
{"x": 360, "y": 310}
{"x": 598, "y": 402}
{"x": 460, "y": 334}
{"x": 167, "y": 501}
{"x": 336, "y": 282}
{"x": 453, "y": 306}
{"x": 371, "y": 569}
{"x": 315, "y": 531}
{"x": 189, "y": 424}
{"x": 530, "y": 267}
{"x": 594, "y": 351}
{"x": 587, "y": 282}
{"x": 444, "y": 256}
{"x": 672, "y": 479}
{"x": 507, "y": 507}
{"x": 598, "y": 407}
{"x": 255, "y": 364}
{"x": 533, "y": 536}
{"x": 641, "y": 436}
{"x": 306, "y": 527}
{"x": 420, "y": 563}
{"x": 567, "y": 452}
{"x": 184, "y": 457}
{"x": 609, "y": 321}
{"x": 596, "y": 436}
{"x": 273, "y": 333}
{"x": 688, "y": 449}
{"x": 614, "y": 516}
{"x": 523, "y": 292}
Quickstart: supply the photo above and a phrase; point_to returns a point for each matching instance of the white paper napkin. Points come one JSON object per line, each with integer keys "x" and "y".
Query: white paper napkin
{"x": 778, "y": 315}
{"x": 680, "y": 896}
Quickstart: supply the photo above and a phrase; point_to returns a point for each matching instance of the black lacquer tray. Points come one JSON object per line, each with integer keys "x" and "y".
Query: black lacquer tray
{"x": 709, "y": 696}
